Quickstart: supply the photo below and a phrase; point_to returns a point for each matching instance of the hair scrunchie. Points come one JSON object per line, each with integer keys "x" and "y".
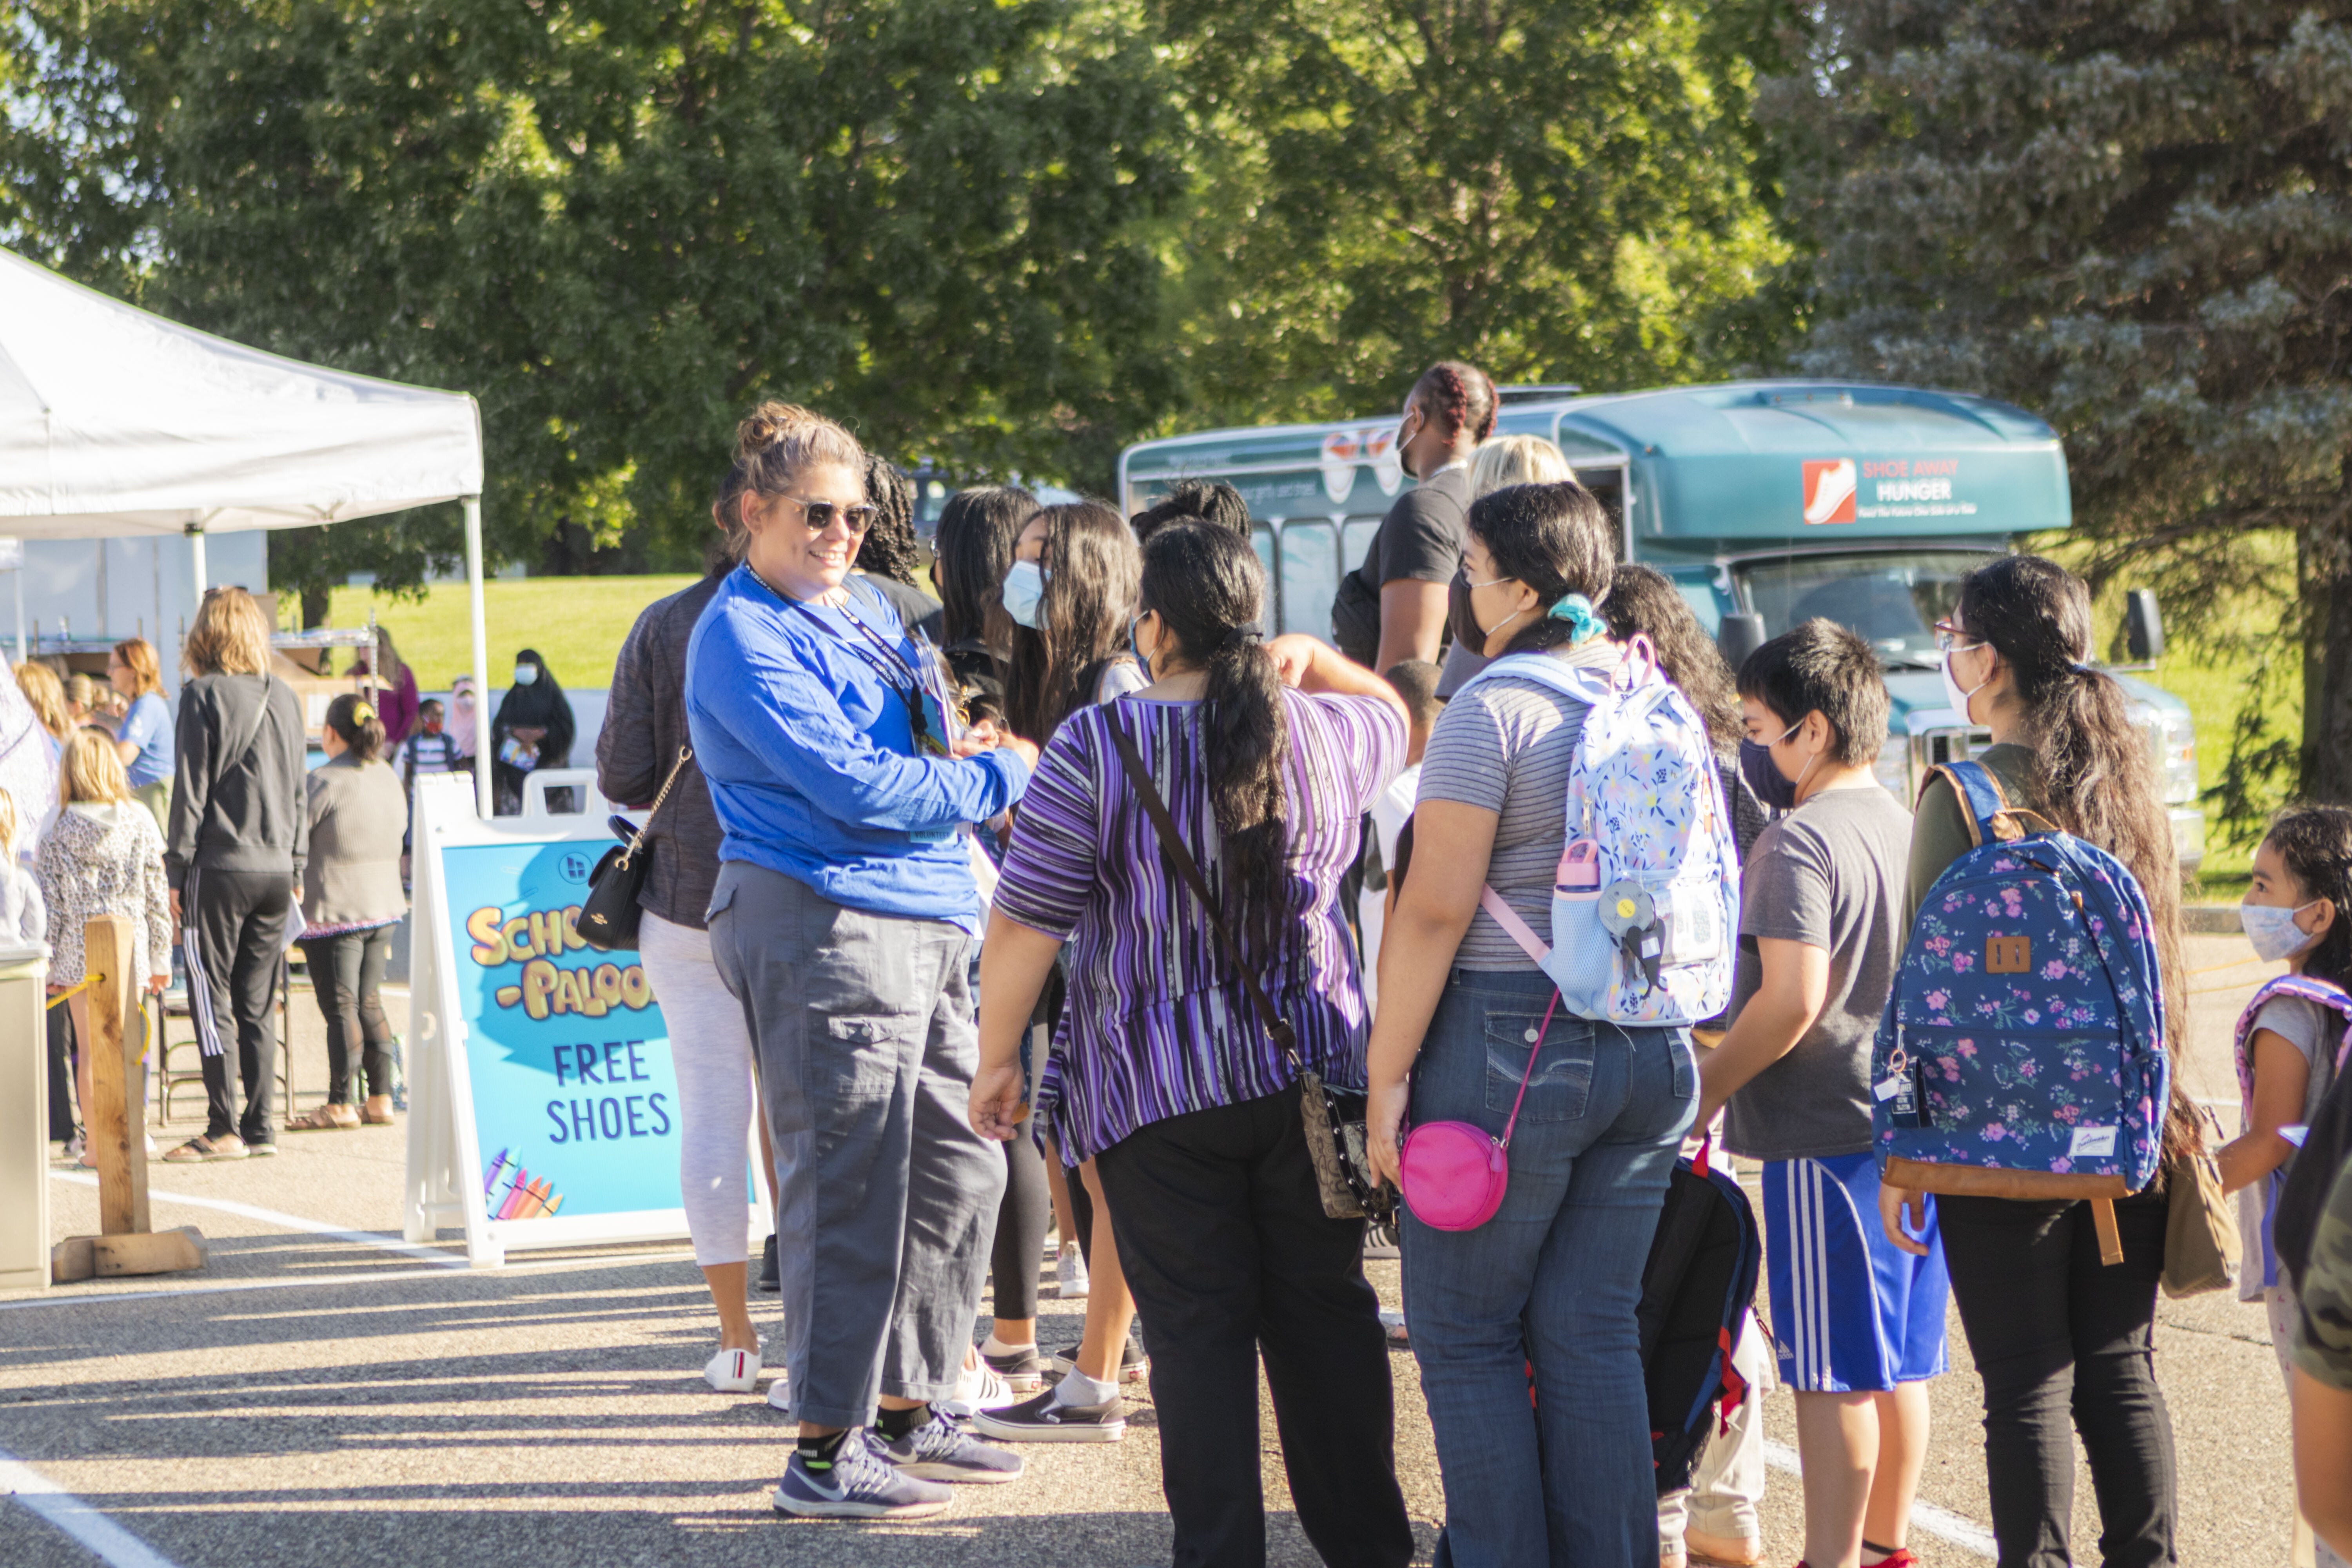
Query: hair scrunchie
{"x": 361, "y": 712}
{"x": 1240, "y": 637}
{"x": 1577, "y": 611}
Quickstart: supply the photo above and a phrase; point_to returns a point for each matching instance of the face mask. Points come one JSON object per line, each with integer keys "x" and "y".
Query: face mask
{"x": 525, "y": 674}
{"x": 1773, "y": 787}
{"x": 1136, "y": 648}
{"x": 1478, "y": 635}
{"x": 1024, "y": 590}
{"x": 1952, "y": 692}
{"x": 2273, "y": 930}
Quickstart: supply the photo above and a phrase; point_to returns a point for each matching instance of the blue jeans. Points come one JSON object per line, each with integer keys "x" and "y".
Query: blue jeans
{"x": 1553, "y": 1278}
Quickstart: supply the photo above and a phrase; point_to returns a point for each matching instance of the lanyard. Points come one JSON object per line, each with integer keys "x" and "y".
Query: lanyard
{"x": 886, "y": 662}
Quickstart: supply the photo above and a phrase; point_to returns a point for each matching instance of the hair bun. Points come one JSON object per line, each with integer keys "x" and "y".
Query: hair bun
{"x": 770, "y": 423}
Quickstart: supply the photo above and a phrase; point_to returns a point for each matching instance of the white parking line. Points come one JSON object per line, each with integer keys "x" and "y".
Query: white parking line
{"x": 1940, "y": 1522}
{"x": 70, "y": 1515}
{"x": 283, "y": 1221}
{"x": 374, "y": 1277}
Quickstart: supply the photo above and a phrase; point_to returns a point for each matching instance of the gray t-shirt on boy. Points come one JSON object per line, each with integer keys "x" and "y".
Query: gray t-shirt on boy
{"x": 1832, "y": 875}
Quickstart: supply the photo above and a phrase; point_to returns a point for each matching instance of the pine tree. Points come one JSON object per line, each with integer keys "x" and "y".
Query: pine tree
{"x": 2135, "y": 217}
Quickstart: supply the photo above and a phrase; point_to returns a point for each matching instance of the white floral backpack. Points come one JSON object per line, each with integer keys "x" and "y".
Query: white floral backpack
{"x": 1646, "y": 900}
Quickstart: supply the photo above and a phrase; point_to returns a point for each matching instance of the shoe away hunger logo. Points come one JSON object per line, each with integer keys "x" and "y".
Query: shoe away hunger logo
{"x": 1828, "y": 490}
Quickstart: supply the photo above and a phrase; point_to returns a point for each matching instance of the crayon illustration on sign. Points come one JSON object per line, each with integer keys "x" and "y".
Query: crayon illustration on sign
{"x": 566, "y": 1048}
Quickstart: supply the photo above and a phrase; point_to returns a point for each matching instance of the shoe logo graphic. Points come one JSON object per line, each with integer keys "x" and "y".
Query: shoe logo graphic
{"x": 1830, "y": 484}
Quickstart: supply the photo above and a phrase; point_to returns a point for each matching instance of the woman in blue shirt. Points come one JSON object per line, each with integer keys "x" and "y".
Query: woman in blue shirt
{"x": 841, "y": 920}
{"x": 143, "y": 739}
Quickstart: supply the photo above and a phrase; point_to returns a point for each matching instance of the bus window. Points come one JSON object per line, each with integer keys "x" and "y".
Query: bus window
{"x": 1262, "y": 539}
{"x": 1310, "y": 577}
{"x": 1356, "y": 537}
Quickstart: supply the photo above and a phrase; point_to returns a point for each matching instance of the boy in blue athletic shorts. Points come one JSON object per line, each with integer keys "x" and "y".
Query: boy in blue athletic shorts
{"x": 1859, "y": 1323}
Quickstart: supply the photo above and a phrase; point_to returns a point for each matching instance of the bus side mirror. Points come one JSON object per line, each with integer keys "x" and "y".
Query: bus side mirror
{"x": 2143, "y": 627}
{"x": 1739, "y": 636}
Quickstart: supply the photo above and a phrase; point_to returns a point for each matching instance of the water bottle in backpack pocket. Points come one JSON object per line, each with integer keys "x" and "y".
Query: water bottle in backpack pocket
{"x": 2021, "y": 1052}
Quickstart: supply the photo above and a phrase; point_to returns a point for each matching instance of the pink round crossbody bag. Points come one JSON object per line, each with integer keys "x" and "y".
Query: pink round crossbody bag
{"x": 1454, "y": 1173}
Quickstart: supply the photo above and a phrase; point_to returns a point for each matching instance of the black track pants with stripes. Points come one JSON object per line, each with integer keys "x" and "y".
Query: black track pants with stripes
{"x": 233, "y": 935}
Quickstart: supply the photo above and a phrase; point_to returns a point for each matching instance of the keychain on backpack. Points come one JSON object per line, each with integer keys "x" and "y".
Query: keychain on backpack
{"x": 1904, "y": 1089}
{"x": 1629, "y": 914}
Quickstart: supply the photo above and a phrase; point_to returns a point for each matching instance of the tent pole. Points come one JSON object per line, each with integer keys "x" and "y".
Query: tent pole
{"x": 196, "y": 554}
{"x": 482, "y": 802}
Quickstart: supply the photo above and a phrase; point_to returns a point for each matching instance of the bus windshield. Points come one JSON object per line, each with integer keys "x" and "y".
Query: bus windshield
{"x": 1894, "y": 600}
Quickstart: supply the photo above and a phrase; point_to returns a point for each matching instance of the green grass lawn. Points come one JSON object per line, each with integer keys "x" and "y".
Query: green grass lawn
{"x": 577, "y": 624}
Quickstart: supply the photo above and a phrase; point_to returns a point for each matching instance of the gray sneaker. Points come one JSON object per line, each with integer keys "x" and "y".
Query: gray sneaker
{"x": 939, "y": 1450}
{"x": 1046, "y": 1420}
{"x": 858, "y": 1484}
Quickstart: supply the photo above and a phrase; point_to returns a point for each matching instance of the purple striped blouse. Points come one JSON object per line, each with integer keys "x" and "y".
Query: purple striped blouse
{"x": 1157, "y": 1024}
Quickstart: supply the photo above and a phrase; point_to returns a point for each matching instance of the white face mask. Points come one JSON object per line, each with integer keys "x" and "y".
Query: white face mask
{"x": 2273, "y": 930}
{"x": 1952, "y": 692}
{"x": 1024, "y": 593}
{"x": 525, "y": 674}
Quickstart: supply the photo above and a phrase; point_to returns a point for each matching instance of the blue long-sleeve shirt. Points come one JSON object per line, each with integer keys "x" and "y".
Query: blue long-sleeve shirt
{"x": 812, "y": 764}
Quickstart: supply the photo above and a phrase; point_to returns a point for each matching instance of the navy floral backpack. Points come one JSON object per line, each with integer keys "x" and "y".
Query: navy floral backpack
{"x": 2022, "y": 1054}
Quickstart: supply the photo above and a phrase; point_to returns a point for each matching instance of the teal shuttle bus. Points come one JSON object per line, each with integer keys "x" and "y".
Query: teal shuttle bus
{"x": 1778, "y": 500}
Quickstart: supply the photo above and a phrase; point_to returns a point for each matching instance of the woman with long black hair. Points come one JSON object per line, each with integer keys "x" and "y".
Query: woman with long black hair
{"x": 2065, "y": 1344}
{"x": 531, "y": 731}
{"x": 1265, "y": 755}
{"x": 1070, "y": 594}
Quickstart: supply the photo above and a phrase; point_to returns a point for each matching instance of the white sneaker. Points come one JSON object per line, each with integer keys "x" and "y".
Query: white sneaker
{"x": 733, "y": 1372}
{"x": 979, "y": 1388}
{"x": 1070, "y": 1274}
{"x": 780, "y": 1393}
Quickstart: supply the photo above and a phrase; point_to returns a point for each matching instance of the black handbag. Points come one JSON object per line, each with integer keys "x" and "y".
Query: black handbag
{"x": 1336, "y": 1141}
{"x": 608, "y": 915}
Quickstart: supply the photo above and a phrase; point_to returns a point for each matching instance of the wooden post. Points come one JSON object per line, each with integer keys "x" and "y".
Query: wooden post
{"x": 118, "y": 1129}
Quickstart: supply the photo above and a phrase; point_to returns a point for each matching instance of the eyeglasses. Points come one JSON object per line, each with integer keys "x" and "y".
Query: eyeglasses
{"x": 819, "y": 514}
{"x": 1950, "y": 638}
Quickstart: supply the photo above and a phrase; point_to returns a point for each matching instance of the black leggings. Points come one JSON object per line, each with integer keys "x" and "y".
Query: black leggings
{"x": 233, "y": 940}
{"x": 1021, "y": 1224}
{"x": 2065, "y": 1344}
{"x": 347, "y": 974}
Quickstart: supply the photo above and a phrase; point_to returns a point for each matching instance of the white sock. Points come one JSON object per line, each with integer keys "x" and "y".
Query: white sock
{"x": 994, "y": 1346}
{"x": 1077, "y": 1388}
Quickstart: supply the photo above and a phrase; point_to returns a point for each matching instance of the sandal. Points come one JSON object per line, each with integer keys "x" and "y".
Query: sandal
{"x": 325, "y": 1120}
{"x": 202, "y": 1151}
{"x": 377, "y": 1111}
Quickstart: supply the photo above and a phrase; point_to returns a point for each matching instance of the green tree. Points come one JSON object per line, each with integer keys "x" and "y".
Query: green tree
{"x": 2133, "y": 219}
{"x": 619, "y": 222}
{"x": 1558, "y": 190}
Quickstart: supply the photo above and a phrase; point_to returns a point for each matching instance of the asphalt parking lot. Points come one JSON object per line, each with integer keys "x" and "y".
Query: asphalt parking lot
{"x": 323, "y": 1393}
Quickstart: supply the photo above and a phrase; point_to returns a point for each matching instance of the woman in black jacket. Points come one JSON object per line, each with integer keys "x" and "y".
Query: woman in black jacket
{"x": 240, "y": 834}
{"x": 532, "y": 729}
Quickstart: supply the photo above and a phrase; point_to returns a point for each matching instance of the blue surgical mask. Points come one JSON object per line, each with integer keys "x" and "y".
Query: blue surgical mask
{"x": 1773, "y": 787}
{"x": 2273, "y": 930}
{"x": 1024, "y": 590}
{"x": 525, "y": 674}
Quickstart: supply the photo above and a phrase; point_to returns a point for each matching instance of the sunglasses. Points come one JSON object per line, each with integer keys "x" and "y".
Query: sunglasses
{"x": 819, "y": 514}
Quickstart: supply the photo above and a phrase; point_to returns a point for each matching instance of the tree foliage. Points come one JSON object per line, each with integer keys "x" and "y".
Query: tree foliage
{"x": 619, "y": 222}
{"x": 1558, "y": 190}
{"x": 2131, "y": 216}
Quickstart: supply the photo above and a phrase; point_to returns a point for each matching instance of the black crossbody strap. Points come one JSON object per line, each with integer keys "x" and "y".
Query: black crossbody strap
{"x": 1156, "y": 809}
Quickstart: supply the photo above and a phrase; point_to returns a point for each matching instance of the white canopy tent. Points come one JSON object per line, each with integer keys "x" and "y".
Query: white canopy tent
{"x": 114, "y": 422}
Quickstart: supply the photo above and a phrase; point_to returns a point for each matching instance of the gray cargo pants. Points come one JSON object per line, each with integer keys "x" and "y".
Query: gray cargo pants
{"x": 885, "y": 1197}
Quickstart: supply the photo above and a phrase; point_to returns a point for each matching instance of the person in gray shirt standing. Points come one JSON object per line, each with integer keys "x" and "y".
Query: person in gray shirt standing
{"x": 1859, "y": 1321}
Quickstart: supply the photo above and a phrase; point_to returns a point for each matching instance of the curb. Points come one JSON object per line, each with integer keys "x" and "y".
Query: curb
{"x": 2210, "y": 920}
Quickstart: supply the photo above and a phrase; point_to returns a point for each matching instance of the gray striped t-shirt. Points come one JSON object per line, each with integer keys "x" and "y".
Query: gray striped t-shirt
{"x": 1505, "y": 745}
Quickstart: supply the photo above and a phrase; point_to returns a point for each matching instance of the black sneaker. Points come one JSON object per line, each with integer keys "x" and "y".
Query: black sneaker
{"x": 1380, "y": 1240}
{"x": 1132, "y": 1362}
{"x": 769, "y": 1280}
{"x": 1040, "y": 1420}
{"x": 1021, "y": 1369}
